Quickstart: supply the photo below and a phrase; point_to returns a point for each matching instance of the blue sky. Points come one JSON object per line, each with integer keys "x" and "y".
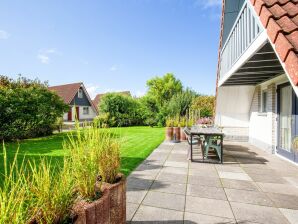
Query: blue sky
{"x": 111, "y": 45}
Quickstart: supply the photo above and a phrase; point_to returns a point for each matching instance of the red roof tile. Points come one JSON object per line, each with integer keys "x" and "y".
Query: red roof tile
{"x": 67, "y": 91}
{"x": 280, "y": 19}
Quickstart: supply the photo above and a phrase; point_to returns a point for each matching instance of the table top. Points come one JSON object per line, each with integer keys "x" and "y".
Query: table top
{"x": 206, "y": 131}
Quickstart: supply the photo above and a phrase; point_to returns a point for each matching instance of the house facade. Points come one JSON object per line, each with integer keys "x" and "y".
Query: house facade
{"x": 257, "y": 78}
{"x": 77, "y": 97}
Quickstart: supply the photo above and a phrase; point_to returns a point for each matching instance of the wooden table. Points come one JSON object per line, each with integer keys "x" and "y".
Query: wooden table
{"x": 210, "y": 131}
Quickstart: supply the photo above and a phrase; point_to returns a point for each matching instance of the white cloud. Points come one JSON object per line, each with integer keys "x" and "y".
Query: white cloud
{"x": 92, "y": 90}
{"x": 44, "y": 55}
{"x": 4, "y": 34}
{"x": 208, "y": 3}
{"x": 113, "y": 68}
{"x": 140, "y": 93}
{"x": 44, "y": 59}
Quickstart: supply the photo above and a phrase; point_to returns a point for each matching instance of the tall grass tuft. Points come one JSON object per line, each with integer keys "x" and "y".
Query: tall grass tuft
{"x": 13, "y": 192}
{"x": 51, "y": 192}
{"x": 84, "y": 148}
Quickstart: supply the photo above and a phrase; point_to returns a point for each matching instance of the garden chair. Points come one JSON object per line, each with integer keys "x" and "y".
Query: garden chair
{"x": 212, "y": 142}
{"x": 195, "y": 140}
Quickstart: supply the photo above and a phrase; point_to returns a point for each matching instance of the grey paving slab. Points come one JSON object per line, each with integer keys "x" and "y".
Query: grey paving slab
{"x": 229, "y": 168}
{"x": 174, "y": 170}
{"x": 169, "y": 187}
{"x": 148, "y": 214}
{"x": 267, "y": 178}
{"x": 191, "y": 218}
{"x": 138, "y": 183}
{"x": 249, "y": 197}
{"x": 278, "y": 188}
{"x": 239, "y": 184}
{"x": 176, "y": 164}
{"x": 172, "y": 177}
{"x": 130, "y": 210}
{"x": 284, "y": 200}
{"x": 204, "y": 181}
{"x": 258, "y": 214}
{"x": 208, "y": 206}
{"x": 291, "y": 215}
{"x": 203, "y": 172}
{"x": 206, "y": 192}
{"x": 234, "y": 176}
{"x": 165, "y": 200}
{"x": 135, "y": 195}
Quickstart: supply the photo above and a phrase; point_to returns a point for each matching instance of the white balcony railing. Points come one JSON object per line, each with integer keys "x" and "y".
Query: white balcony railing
{"x": 244, "y": 31}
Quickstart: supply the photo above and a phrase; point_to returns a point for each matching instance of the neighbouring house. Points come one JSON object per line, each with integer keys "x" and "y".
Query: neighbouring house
{"x": 98, "y": 97}
{"x": 77, "y": 97}
{"x": 257, "y": 79}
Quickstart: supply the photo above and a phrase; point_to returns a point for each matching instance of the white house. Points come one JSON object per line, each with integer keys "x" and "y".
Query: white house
{"x": 257, "y": 79}
{"x": 77, "y": 97}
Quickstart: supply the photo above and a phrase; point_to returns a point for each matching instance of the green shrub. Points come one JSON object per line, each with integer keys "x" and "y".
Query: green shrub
{"x": 27, "y": 108}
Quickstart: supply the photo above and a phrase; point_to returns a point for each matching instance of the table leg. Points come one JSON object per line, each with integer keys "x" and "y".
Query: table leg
{"x": 191, "y": 147}
{"x": 221, "y": 148}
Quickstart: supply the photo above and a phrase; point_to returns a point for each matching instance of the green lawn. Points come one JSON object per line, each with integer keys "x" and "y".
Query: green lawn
{"x": 136, "y": 144}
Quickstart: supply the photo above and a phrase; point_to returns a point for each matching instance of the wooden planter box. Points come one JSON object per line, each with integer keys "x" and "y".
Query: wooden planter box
{"x": 169, "y": 133}
{"x": 109, "y": 209}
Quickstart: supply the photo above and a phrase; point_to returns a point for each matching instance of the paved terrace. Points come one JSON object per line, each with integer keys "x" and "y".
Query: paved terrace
{"x": 252, "y": 186}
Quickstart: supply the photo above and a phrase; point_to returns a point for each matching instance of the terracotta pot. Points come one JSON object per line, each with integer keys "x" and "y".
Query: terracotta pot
{"x": 176, "y": 133}
{"x": 182, "y": 134}
{"x": 117, "y": 195}
{"x": 97, "y": 212}
{"x": 169, "y": 133}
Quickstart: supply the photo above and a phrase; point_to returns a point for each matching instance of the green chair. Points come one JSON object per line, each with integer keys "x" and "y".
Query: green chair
{"x": 213, "y": 142}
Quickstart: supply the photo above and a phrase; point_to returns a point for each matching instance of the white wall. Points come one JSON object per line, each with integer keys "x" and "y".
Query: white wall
{"x": 233, "y": 105}
{"x": 91, "y": 115}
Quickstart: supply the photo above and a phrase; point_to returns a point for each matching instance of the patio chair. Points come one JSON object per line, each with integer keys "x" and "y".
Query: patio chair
{"x": 194, "y": 141}
{"x": 213, "y": 142}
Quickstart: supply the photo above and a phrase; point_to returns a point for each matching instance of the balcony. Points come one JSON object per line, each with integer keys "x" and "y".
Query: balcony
{"x": 247, "y": 57}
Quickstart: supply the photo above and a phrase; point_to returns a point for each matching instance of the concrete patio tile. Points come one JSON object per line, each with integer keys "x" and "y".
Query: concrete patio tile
{"x": 248, "y": 197}
{"x": 172, "y": 177}
{"x": 138, "y": 183}
{"x": 204, "y": 181}
{"x": 284, "y": 200}
{"x": 204, "y": 173}
{"x": 169, "y": 187}
{"x": 239, "y": 184}
{"x": 130, "y": 210}
{"x": 191, "y": 218}
{"x": 147, "y": 214}
{"x": 263, "y": 170}
{"x": 174, "y": 170}
{"x": 278, "y": 188}
{"x": 206, "y": 192}
{"x": 208, "y": 206}
{"x": 165, "y": 200}
{"x": 291, "y": 215}
{"x": 201, "y": 166}
{"x": 234, "y": 176}
{"x": 256, "y": 213}
{"x": 266, "y": 178}
{"x": 176, "y": 164}
{"x": 229, "y": 168}
{"x": 135, "y": 195}
{"x": 292, "y": 180}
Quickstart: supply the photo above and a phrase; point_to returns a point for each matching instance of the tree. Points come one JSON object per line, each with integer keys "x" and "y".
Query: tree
{"x": 119, "y": 110}
{"x": 205, "y": 105}
{"x": 27, "y": 108}
{"x": 162, "y": 89}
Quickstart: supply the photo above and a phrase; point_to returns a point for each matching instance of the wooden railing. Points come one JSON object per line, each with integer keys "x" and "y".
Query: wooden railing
{"x": 244, "y": 31}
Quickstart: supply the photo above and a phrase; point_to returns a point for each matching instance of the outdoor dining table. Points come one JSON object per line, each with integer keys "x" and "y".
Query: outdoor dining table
{"x": 206, "y": 132}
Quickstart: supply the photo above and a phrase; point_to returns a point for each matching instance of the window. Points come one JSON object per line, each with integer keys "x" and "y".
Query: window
{"x": 85, "y": 110}
{"x": 264, "y": 101}
{"x": 80, "y": 93}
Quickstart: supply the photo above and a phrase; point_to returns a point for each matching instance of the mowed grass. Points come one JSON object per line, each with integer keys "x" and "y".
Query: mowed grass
{"x": 136, "y": 144}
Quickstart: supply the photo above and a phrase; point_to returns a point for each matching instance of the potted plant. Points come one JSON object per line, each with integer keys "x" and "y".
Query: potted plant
{"x": 169, "y": 129}
{"x": 182, "y": 126}
{"x": 176, "y": 130}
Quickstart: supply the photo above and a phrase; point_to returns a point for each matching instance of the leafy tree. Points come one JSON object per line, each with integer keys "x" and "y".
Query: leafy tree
{"x": 27, "y": 108}
{"x": 205, "y": 105}
{"x": 119, "y": 110}
{"x": 181, "y": 103}
{"x": 162, "y": 89}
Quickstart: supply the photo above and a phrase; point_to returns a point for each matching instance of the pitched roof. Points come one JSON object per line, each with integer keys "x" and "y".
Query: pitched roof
{"x": 280, "y": 19}
{"x": 98, "y": 97}
{"x": 67, "y": 92}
